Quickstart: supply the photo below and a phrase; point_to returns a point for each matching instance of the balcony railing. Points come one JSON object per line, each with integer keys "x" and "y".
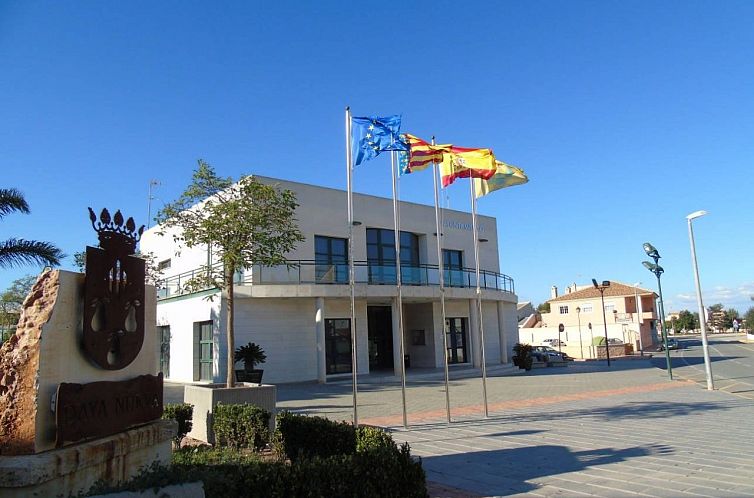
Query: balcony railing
{"x": 311, "y": 272}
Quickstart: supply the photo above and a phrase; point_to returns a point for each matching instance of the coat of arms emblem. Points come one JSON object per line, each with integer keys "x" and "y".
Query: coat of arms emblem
{"x": 113, "y": 293}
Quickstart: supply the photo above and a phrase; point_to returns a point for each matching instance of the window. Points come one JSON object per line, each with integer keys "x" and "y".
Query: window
{"x": 586, "y": 308}
{"x": 163, "y": 333}
{"x": 381, "y": 256}
{"x": 163, "y": 265}
{"x": 331, "y": 259}
{"x": 609, "y": 308}
{"x": 455, "y": 330}
{"x": 206, "y": 350}
{"x": 452, "y": 262}
{"x": 337, "y": 345}
{"x": 564, "y": 310}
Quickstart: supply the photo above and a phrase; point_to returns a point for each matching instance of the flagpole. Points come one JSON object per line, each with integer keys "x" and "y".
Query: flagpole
{"x": 479, "y": 294}
{"x": 398, "y": 279}
{"x": 351, "y": 276}
{"x": 441, "y": 272}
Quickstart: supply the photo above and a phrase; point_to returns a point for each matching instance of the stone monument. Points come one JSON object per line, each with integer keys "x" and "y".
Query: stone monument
{"x": 80, "y": 395}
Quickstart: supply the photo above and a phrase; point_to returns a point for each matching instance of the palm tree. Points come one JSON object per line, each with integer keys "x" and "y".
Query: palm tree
{"x": 16, "y": 252}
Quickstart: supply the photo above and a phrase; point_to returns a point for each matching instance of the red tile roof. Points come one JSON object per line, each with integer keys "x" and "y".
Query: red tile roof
{"x": 616, "y": 289}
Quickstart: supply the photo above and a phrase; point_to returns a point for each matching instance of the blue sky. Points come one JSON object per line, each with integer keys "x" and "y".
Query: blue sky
{"x": 626, "y": 116}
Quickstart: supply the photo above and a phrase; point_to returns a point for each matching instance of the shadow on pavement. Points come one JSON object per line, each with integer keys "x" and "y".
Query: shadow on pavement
{"x": 678, "y": 362}
{"x": 634, "y": 410}
{"x": 505, "y": 472}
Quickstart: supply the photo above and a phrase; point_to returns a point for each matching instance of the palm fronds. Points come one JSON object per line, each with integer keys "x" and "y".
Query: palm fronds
{"x": 12, "y": 200}
{"x": 16, "y": 252}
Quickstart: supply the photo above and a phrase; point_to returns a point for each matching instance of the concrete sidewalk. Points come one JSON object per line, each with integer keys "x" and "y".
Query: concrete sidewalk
{"x": 581, "y": 430}
{"x": 682, "y": 441}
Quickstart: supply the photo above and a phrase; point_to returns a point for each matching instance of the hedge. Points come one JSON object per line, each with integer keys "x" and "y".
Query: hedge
{"x": 307, "y": 437}
{"x": 181, "y": 413}
{"x": 331, "y": 459}
{"x": 241, "y": 426}
{"x": 371, "y": 473}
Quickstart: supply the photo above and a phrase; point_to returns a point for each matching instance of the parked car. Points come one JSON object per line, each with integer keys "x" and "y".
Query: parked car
{"x": 552, "y": 353}
{"x": 553, "y": 343}
{"x": 615, "y": 341}
{"x": 672, "y": 344}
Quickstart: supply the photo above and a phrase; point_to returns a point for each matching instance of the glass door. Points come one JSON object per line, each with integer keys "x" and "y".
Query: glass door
{"x": 455, "y": 329}
{"x": 337, "y": 345}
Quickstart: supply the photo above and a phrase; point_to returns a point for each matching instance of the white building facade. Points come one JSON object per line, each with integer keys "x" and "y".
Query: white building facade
{"x": 301, "y": 315}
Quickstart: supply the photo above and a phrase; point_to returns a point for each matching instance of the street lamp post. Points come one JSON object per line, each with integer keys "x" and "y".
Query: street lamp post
{"x": 605, "y": 284}
{"x": 705, "y": 346}
{"x": 658, "y": 270}
{"x": 581, "y": 343}
{"x": 638, "y": 315}
{"x": 591, "y": 335}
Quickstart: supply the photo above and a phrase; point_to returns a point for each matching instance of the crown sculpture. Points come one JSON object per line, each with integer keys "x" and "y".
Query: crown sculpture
{"x": 114, "y": 293}
{"x": 113, "y": 233}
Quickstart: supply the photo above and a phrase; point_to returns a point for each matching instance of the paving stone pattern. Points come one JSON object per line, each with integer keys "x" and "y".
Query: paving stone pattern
{"x": 584, "y": 430}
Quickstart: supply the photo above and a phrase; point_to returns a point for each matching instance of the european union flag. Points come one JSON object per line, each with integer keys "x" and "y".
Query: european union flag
{"x": 372, "y": 135}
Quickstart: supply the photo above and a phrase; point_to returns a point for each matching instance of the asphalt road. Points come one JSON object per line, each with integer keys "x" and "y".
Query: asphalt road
{"x": 732, "y": 361}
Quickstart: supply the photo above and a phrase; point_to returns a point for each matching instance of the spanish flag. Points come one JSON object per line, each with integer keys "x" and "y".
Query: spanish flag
{"x": 505, "y": 176}
{"x": 462, "y": 162}
{"x": 421, "y": 154}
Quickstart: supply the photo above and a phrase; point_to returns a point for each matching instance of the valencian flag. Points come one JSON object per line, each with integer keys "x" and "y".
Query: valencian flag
{"x": 505, "y": 176}
{"x": 420, "y": 155}
{"x": 462, "y": 162}
{"x": 374, "y": 134}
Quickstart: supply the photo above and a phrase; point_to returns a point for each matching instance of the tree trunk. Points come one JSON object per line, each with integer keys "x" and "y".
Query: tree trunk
{"x": 231, "y": 377}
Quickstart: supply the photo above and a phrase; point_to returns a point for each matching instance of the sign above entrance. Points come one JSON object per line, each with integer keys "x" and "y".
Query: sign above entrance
{"x": 459, "y": 225}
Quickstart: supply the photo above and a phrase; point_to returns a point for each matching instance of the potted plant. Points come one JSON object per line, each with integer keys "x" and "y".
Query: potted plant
{"x": 522, "y": 357}
{"x": 252, "y": 355}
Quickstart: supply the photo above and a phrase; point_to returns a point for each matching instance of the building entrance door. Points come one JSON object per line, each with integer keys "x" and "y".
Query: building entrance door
{"x": 380, "y": 331}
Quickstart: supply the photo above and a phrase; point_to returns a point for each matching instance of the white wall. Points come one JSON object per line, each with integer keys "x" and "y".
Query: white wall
{"x": 181, "y": 314}
{"x": 322, "y": 211}
{"x": 570, "y": 336}
{"x": 419, "y": 317}
{"x": 285, "y": 329}
{"x": 491, "y": 333}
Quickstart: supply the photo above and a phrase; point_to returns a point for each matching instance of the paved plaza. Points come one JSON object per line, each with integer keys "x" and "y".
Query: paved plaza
{"x": 585, "y": 429}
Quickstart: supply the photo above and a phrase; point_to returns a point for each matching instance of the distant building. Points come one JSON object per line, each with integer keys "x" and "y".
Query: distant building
{"x": 630, "y": 314}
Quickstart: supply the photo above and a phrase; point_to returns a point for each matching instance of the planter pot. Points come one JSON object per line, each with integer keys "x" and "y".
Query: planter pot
{"x": 251, "y": 376}
{"x": 205, "y": 397}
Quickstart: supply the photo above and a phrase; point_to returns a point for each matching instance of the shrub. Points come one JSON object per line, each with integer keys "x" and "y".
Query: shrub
{"x": 226, "y": 473}
{"x": 522, "y": 355}
{"x": 181, "y": 413}
{"x": 306, "y": 437}
{"x": 371, "y": 438}
{"x": 241, "y": 426}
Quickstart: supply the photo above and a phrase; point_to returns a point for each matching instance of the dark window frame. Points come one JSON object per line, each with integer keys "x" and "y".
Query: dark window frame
{"x": 337, "y": 332}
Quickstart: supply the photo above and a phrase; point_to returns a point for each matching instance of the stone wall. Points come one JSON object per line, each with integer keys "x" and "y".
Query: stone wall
{"x": 19, "y": 364}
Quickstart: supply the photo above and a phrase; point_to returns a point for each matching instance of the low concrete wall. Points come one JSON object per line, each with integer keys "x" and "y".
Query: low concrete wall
{"x": 74, "y": 469}
{"x": 616, "y": 351}
{"x": 204, "y": 399}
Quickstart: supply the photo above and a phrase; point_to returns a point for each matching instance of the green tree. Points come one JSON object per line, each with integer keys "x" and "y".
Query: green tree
{"x": 544, "y": 308}
{"x": 17, "y": 252}
{"x": 686, "y": 320}
{"x": 749, "y": 319}
{"x": 245, "y": 223}
{"x": 11, "y": 301}
{"x": 730, "y": 315}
